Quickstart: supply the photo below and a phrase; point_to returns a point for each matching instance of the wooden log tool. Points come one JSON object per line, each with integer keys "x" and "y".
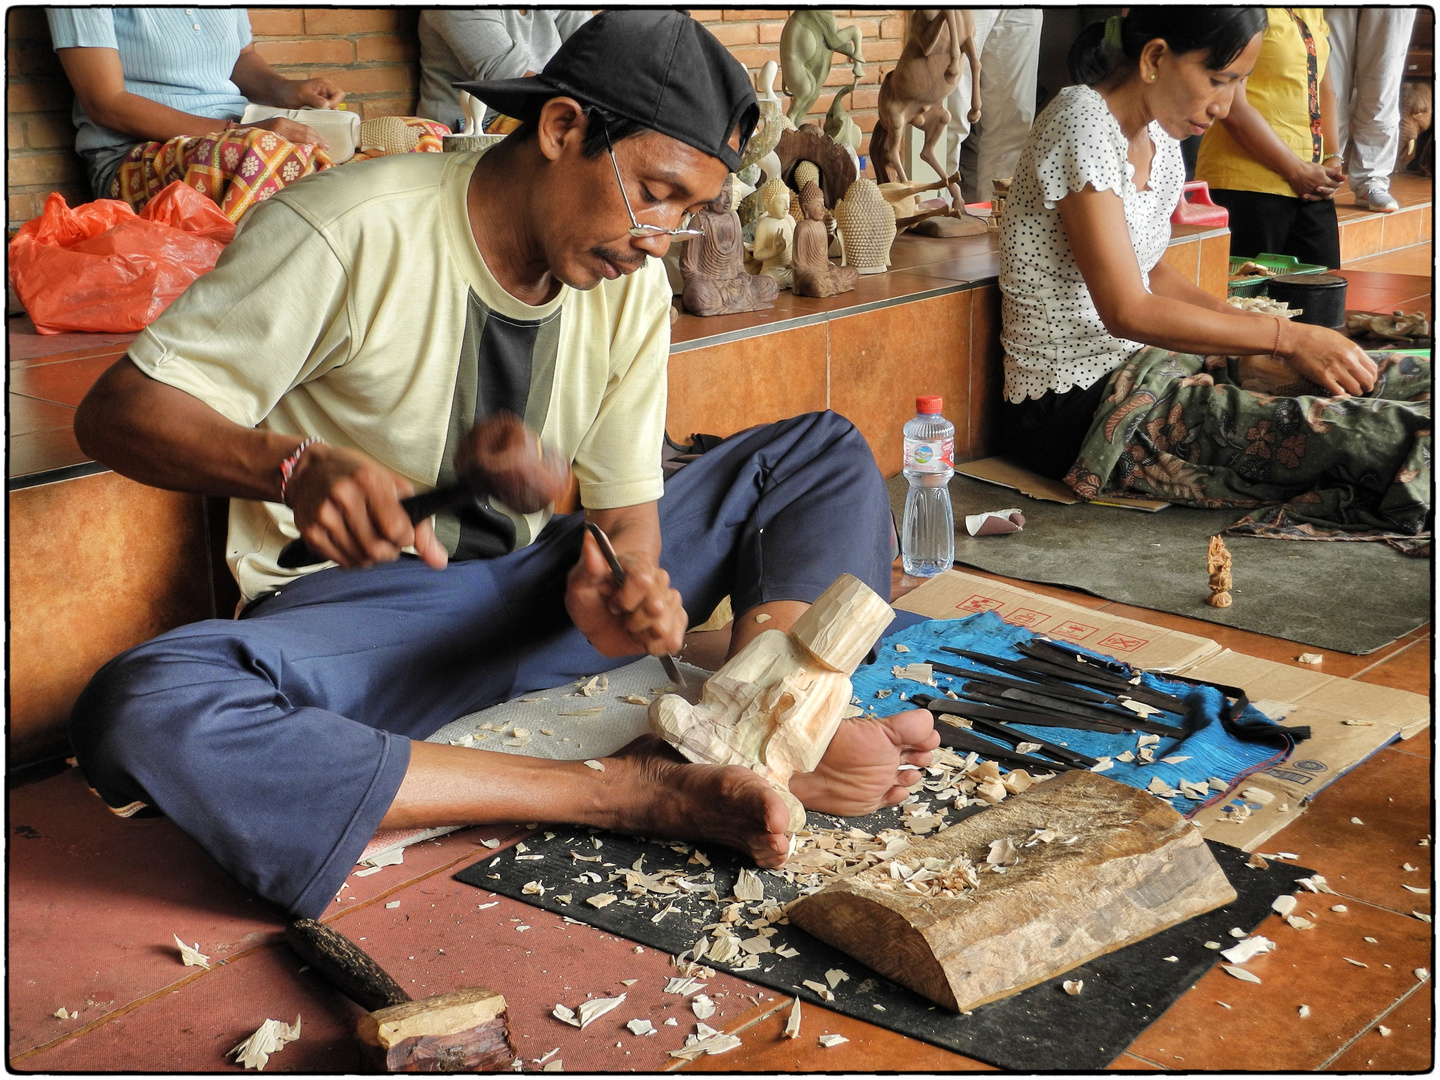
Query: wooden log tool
{"x": 465, "y": 1031}
{"x": 1006, "y": 899}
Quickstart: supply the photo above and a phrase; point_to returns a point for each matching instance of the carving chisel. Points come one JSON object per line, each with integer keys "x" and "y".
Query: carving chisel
{"x": 672, "y": 669}
{"x": 959, "y": 739}
{"x": 1091, "y": 673}
{"x": 1009, "y": 734}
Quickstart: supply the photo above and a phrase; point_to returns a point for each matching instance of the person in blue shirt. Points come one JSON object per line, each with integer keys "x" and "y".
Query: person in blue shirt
{"x": 159, "y": 93}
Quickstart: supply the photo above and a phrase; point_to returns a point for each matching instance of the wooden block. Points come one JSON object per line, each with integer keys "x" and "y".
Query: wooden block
{"x": 1136, "y": 868}
{"x": 843, "y": 624}
{"x": 461, "y": 1032}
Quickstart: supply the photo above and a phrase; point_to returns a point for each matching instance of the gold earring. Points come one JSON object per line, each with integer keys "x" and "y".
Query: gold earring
{"x": 1153, "y": 76}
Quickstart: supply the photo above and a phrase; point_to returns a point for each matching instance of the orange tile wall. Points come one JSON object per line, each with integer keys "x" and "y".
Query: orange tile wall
{"x": 372, "y": 52}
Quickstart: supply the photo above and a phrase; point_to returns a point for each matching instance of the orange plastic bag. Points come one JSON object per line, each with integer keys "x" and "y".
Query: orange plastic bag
{"x": 101, "y": 266}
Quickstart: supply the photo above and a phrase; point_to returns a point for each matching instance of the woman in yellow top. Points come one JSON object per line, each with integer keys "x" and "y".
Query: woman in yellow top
{"x": 1273, "y": 161}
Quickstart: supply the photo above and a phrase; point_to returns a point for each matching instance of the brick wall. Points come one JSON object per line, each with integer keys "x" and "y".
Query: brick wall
{"x": 372, "y": 52}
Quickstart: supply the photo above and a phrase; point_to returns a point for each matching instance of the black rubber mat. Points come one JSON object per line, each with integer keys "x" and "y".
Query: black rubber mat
{"x": 1039, "y": 1029}
{"x": 1347, "y": 596}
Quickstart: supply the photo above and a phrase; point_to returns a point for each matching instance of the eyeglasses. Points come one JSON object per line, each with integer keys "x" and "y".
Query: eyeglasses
{"x": 636, "y": 229}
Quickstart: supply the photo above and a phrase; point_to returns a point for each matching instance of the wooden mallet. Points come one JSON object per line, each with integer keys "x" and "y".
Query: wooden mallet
{"x": 465, "y": 1031}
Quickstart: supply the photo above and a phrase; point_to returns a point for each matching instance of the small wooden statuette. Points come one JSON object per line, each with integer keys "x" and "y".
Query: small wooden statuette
{"x": 814, "y": 273}
{"x": 867, "y": 227}
{"x": 1217, "y": 559}
{"x": 1087, "y": 865}
{"x": 776, "y": 703}
{"x": 774, "y": 246}
{"x": 713, "y": 266}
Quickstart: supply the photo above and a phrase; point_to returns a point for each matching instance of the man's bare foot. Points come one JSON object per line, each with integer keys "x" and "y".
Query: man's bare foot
{"x": 870, "y": 763}
{"x": 664, "y": 795}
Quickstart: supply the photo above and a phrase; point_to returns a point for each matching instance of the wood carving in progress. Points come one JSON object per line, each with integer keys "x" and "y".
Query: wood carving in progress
{"x": 776, "y": 703}
{"x": 1071, "y": 869}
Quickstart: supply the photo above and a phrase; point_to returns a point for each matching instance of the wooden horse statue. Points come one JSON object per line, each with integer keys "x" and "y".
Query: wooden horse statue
{"x": 914, "y": 93}
{"x": 807, "y": 41}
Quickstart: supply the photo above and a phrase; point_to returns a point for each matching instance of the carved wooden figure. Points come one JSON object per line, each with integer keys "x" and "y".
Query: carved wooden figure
{"x": 867, "y": 226}
{"x": 775, "y": 234}
{"x": 914, "y": 93}
{"x": 775, "y": 705}
{"x": 838, "y": 124}
{"x": 1217, "y": 560}
{"x": 815, "y": 274}
{"x": 807, "y": 41}
{"x": 713, "y": 266}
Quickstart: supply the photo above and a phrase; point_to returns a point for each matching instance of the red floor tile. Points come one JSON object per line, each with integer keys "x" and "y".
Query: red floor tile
{"x": 64, "y": 383}
{"x": 41, "y": 451}
{"x": 1390, "y": 794}
{"x": 28, "y": 415}
{"x": 1409, "y": 1046}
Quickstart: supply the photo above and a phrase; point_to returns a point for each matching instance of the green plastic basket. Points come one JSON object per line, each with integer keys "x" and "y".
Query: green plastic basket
{"x": 1256, "y": 284}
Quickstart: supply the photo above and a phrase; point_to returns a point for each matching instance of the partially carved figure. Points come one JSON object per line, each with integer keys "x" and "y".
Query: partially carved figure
{"x": 806, "y": 44}
{"x": 1217, "y": 560}
{"x": 775, "y": 705}
{"x": 713, "y": 266}
{"x": 775, "y": 234}
{"x": 914, "y": 93}
{"x": 815, "y": 274}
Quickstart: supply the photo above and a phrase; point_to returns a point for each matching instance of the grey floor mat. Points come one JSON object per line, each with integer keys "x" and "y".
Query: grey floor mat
{"x": 1349, "y": 597}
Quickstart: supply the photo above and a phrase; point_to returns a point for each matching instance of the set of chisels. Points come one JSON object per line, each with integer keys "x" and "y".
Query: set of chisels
{"x": 1052, "y": 687}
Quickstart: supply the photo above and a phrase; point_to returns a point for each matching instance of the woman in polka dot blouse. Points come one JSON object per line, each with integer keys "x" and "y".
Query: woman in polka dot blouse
{"x": 1086, "y": 295}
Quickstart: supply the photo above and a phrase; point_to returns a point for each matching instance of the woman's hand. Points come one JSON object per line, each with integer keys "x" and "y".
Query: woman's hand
{"x": 314, "y": 94}
{"x": 293, "y": 131}
{"x": 1327, "y": 358}
{"x": 1313, "y": 181}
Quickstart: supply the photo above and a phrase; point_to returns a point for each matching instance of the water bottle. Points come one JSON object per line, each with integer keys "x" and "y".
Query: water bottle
{"x": 927, "y": 536}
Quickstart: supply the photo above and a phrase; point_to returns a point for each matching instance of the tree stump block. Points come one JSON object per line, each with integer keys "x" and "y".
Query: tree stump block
{"x": 1135, "y": 867}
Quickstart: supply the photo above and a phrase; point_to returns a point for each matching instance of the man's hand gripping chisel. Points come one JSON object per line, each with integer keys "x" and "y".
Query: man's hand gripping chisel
{"x": 617, "y": 572}
{"x": 500, "y": 457}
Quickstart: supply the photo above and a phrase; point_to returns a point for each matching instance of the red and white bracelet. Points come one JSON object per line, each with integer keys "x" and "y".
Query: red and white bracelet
{"x": 287, "y": 467}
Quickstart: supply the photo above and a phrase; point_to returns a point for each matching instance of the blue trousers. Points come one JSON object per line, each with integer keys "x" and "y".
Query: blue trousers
{"x": 278, "y": 741}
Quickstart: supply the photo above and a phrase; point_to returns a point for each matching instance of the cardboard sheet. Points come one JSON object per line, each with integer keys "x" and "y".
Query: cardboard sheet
{"x": 997, "y": 470}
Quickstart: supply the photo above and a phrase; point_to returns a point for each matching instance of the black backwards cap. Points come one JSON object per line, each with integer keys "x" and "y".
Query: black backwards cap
{"x": 657, "y": 67}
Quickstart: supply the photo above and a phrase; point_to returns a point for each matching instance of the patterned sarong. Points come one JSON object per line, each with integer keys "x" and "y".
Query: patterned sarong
{"x": 1178, "y": 427}
{"x": 236, "y": 168}
{"x": 246, "y": 165}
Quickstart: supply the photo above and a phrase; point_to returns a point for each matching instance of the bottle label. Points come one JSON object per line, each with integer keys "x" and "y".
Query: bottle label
{"x": 930, "y": 455}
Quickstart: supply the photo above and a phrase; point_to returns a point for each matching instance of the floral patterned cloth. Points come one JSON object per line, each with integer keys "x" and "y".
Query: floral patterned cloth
{"x": 241, "y": 167}
{"x": 237, "y": 168}
{"x": 1178, "y": 427}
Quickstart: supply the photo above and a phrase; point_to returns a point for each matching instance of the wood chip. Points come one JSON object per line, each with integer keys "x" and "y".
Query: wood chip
{"x": 902, "y": 648}
{"x": 1284, "y": 905}
{"x": 594, "y": 1008}
{"x": 635, "y": 699}
{"x": 1356, "y": 821}
{"x": 702, "y": 1007}
{"x": 641, "y": 1027}
{"x": 835, "y": 977}
{"x": 1073, "y": 986}
{"x": 1248, "y": 949}
{"x": 269, "y": 1037}
{"x": 1421, "y": 916}
{"x": 748, "y": 886}
{"x": 1415, "y": 888}
{"x": 1304, "y": 1011}
{"x": 762, "y": 617}
{"x": 598, "y": 766}
{"x": 1299, "y": 922}
{"x": 600, "y": 900}
{"x": 1240, "y": 973}
{"x": 792, "y": 1022}
{"x": 582, "y": 712}
{"x": 1384, "y": 1031}
{"x": 1357, "y": 963}
{"x": 192, "y": 957}
{"x": 828, "y": 1041}
{"x": 1421, "y": 974}
{"x": 1310, "y": 658}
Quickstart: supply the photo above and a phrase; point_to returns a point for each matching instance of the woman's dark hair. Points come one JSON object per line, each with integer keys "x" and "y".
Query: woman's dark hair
{"x": 1222, "y": 32}
{"x": 593, "y": 144}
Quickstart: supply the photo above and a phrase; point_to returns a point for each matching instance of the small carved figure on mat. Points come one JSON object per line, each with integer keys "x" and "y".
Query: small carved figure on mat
{"x": 775, "y": 234}
{"x": 1217, "y": 559}
{"x": 713, "y": 266}
{"x": 815, "y": 274}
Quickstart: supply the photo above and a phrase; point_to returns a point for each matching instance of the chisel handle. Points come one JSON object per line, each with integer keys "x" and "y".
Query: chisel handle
{"x": 297, "y": 553}
{"x": 345, "y": 964}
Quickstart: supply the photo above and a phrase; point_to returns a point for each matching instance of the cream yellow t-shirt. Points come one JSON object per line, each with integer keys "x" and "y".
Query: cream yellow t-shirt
{"x": 355, "y": 305}
{"x": 1279, "y": 88}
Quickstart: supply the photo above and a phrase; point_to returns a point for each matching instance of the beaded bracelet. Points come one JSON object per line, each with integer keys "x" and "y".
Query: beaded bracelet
{"x": 287, "y": 467}
{"x": 1274, "y": 353}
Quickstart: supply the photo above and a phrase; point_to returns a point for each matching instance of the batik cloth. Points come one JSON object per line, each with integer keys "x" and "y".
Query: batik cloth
{"x": 237, "y": 168}
{"x": 1179, "y": 427}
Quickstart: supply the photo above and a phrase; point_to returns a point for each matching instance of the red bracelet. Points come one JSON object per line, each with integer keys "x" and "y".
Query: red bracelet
{"x": 287, "y": 467}
{"x": 1275, "y": 352}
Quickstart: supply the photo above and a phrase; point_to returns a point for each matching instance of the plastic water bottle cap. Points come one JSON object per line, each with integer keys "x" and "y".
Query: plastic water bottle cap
{"x": 929, "y": 403}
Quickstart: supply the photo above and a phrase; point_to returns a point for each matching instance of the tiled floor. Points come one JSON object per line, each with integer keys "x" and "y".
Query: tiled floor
{"x": 93, "y": 902}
